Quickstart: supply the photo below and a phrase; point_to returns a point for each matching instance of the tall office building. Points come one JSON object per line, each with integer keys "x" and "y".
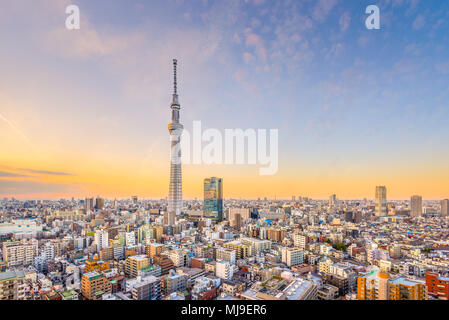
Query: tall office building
{"x": 99, "y": 203}
{"x": 333, "y": 200}
{"x": 381, "y": 201}
{"x": 89, "y": 204}
{"x": 213, "y": 198}
{"x": 444, "y": 208}
{"x": 416, "y": 206}
{"x": 236, "y": 222}
{"x": 175, "y": 128}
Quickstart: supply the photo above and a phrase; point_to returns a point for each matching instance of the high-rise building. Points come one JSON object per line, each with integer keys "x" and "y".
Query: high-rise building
{"x": 99, "y": 203}
{"x": 333, "y": 200}
{"x": 358, "y": 217}
{"x": 245, "y": 213}
{"x": 213, "y": 198}
{"x": 381, "y": 201}
{"x": 444, "y": 208}
{"x": 89, "y": 204}
{"x": 416, "y": 206}
{"x": 175, "y": 128}
{"x": 349, "y": 216}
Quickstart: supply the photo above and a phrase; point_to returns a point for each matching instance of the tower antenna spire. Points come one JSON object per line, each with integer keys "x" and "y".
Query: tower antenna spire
{"x": 175, "y": 83}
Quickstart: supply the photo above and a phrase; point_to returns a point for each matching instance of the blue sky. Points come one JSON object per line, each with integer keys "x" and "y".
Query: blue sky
{"x": 347, "y": 101}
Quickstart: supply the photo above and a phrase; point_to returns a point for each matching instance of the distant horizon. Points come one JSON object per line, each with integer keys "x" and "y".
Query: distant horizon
{"x": 201, "y": 198}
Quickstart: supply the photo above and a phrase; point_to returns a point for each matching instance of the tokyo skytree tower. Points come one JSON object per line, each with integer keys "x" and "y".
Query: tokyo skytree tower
{"x": 175, "y": 128}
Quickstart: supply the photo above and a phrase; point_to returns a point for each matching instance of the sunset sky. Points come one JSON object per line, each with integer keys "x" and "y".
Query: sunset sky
{"x": 85, "y": 112}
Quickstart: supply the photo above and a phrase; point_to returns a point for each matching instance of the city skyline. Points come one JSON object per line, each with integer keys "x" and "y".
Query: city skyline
{"x": 84, "y": 112}
{"x": 306, "y": 157}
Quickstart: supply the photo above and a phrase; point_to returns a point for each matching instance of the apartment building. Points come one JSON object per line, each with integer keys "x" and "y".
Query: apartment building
{"x": 437, "y": 285}
{"x": 96, "y": 265}
{"x": 299, "y": 240}
{"x": 378, "y": 286}
{"x": 292, "y": 256}
{"x": 178, "y": 257}
{"x": 403, "y": 288}
{"x": 174, "y": 282}
{"x": 148, "y": 288}
{"x": 164, "y": 262}
{"x": 94, "y": 285}
{"x": 12, "y": 285}
{"x": 373, "y": 286}
{"x": 242, "y": 250}
{"x": 134, "y": 264}
{"x": 154, "y": 249}
{"x": 226, "y": 255}
{"x": 224, "y": 270}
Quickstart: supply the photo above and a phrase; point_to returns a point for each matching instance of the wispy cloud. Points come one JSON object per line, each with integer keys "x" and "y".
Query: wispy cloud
{"x": 26, "y": 187}
{"x": 419, "y": 22}
{"x": 345, "y": 21}
{"x": 322, "y": 9}
{"x": 4, "y": 174}
{"x": 14, "y": 127}
{"x": 45, "y": 172}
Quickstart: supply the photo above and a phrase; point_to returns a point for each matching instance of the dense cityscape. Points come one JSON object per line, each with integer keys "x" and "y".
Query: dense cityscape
{"x": 261, "y": 249}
